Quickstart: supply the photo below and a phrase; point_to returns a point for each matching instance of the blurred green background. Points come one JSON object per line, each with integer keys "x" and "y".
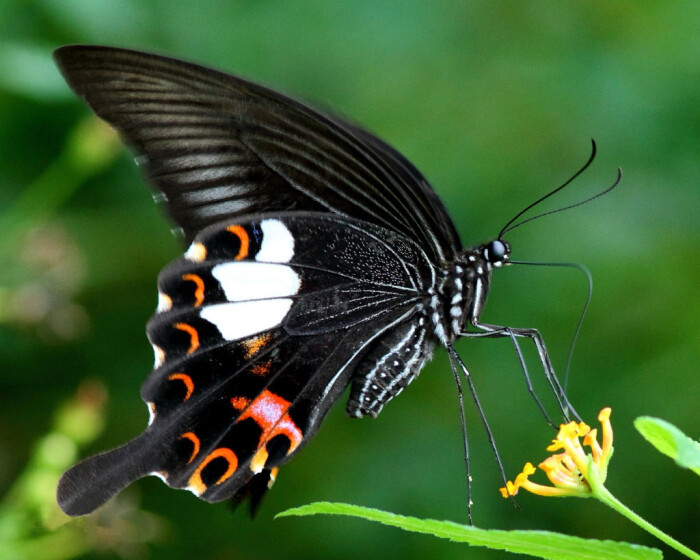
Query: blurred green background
{"x": 496, "y": 103}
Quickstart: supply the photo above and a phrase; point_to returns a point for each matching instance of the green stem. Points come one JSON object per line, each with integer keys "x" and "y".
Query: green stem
{"x": 602, "y": 493}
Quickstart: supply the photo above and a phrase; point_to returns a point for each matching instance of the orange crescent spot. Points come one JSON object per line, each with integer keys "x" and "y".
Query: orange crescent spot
{"x": 199, "y": 288}
{"x": 257, "y": 463}
{"x": 270, "y": 413}
{"x": 288, "y": 428}
{"x": 194, "y": 336}
{"x": 243, "y": 237}
{"x": 239, "y": 403}
{"x": 273, "y": 477}
{"x": 187, "y": 380}
{"x": 195, "y": 444}
{"x": 196, "y": 484}
{"x": 254, "y": 345}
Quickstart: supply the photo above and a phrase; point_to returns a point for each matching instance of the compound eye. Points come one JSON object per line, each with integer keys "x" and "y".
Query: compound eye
{"x": 497, "y": 252}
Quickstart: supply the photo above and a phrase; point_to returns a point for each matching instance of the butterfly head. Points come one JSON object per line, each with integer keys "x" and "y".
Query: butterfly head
{"x": 496, "y": 252}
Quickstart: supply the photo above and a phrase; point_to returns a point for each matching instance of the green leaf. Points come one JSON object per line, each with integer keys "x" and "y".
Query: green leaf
{"x": 542, "y": 544}
{"x": 670, "y": 441}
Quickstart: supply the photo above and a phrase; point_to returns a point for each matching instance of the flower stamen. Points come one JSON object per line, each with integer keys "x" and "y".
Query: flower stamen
{"x": 568, "y": 471}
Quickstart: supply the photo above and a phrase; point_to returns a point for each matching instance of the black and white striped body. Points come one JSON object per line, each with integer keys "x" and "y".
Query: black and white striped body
{"x": 456, "y": 298}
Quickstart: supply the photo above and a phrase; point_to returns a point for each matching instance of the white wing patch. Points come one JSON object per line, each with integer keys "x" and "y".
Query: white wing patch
{"x": 243, "y": 281}
{"x": 277, "y": 243}
{"x": 242, "y": 320}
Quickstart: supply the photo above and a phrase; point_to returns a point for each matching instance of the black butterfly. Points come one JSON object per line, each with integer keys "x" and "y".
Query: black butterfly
{"x": 318, "y": 257}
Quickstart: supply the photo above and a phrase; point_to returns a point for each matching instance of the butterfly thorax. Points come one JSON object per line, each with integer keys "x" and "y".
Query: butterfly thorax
{"x": 461, "y": 294}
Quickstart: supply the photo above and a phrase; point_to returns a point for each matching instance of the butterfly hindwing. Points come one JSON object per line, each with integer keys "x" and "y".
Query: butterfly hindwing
{"x": 257, "y": 332}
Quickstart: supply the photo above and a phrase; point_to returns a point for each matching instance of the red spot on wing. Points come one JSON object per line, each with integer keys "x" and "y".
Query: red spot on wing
{"x": 199, "y": 288}
{"x": 194, "y": 336}
{"x": 244, "y": 239}
{"x": 270, "y": 413}
{"x": 187, "y": 380}
{"x": 239, "y": 403}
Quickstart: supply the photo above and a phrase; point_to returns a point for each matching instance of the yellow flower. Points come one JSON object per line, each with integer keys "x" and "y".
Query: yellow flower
{"x": 570, "y": 471}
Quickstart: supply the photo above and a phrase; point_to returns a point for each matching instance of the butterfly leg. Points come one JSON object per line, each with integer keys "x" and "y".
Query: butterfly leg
{"x": 457, "y": 364}
{"x": 498, "y": 331}
{"x": 465, "y": 438}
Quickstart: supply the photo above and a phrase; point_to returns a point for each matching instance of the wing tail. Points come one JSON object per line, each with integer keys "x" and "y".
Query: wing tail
{"x": 92, "y": 482}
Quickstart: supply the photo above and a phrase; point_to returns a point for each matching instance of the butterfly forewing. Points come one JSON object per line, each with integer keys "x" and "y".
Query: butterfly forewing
{"x": 218, "y": 146}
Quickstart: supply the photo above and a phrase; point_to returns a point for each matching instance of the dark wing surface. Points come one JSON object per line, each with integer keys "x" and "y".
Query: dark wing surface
{"x": 217, "y": 146}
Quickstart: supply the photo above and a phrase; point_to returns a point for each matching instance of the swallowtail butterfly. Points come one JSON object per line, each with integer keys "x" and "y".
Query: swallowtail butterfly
{"x": 319, "y": 257}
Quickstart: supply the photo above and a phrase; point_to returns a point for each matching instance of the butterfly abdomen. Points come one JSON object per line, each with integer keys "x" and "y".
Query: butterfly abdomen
{"x": 391, "y": 364}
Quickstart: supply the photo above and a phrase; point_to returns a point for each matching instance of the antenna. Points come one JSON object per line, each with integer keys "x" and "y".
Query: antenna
{"x": 509, "y": 227}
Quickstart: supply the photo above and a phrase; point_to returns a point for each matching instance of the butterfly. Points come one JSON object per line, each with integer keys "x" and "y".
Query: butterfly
{"x": 318, "y": 258}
